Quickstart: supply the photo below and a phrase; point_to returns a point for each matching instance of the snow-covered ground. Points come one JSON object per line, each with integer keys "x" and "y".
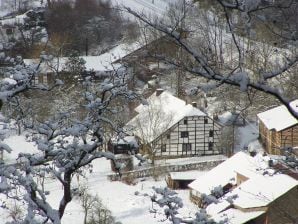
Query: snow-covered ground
{"x": 153, "y": 8}
{"x": 18, "y": 144}
{"x": 118, "y": 197}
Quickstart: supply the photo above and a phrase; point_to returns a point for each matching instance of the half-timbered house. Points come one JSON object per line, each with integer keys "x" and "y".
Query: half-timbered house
{"x": 171, "y": 128}
{"x": 278, "y": 129}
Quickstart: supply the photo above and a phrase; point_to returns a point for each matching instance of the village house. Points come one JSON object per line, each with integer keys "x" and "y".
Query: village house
{"x": 9, "y": 26}
{"x": 278, "y": 129}
{"x": 101, "y": 65}
{"x": 252, "y": 192}
{"x": 168, "y": 127}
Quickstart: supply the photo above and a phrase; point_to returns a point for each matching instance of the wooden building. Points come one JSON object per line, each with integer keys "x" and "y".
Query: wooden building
{"x": 125, "y": 145}
{"x": 170, "y": 128}
{"x": 278, "y": 129}
{"x": 180, "y": 180}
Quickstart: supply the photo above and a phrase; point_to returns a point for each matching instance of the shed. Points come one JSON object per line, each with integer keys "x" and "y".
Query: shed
{"x": 180, "y": 180}
{"x": 125, "y": 145}
{"x": 278, "y": 128}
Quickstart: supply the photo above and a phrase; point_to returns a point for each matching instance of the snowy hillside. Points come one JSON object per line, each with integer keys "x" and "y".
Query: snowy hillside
{"x": 9, "y": 6}
{"x": 149, "y": 7}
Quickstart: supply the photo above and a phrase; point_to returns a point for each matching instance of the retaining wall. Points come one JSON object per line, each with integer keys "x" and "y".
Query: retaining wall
{"x": 164, "y": 169}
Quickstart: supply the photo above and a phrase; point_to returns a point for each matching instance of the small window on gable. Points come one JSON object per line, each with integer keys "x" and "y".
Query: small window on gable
{"x": 185, "y": 121}
{"x": 168, "y": 136}
{"x": 210, "y": 146}
{"x": 211, "y": 133}
{"x": 184, "y": 134}
{"x": 206, "y": 120}
{"x": 163, "y": 148}
{"x": 186, "y": 147}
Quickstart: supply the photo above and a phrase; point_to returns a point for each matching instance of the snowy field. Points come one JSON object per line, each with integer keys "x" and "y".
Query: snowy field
{"x": 118, "y": 197}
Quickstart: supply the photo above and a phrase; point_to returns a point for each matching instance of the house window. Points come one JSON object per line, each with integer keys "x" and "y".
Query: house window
{"x": 211, "y": 133}
{"x": 184, "y": 134}
{"x": 186, "y": 147}
{"x": 168, "y": 136}
{"x": 206, "y": 120}
{"x": 9, "y": 31}
{"x": 185, "y": 121}
{"x": 163, "y": 148}
{"x": 210, "y": 146}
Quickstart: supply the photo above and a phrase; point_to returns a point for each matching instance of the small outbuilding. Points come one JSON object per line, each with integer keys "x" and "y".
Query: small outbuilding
{"x": 181, "y": 180}
{"x": 125, "y": 145}
{"x": 278, "y": 128}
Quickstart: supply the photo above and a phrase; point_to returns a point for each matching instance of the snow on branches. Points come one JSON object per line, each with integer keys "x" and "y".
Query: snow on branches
{"x": 65, "y": 145}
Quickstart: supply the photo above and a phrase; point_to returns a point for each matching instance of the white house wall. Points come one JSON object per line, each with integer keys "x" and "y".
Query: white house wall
{"x": 198, "y": 137}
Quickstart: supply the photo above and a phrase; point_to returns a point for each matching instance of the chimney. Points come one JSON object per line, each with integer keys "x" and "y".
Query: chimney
{"x": 159, "y": 91}
{"x": 194, "y": 104}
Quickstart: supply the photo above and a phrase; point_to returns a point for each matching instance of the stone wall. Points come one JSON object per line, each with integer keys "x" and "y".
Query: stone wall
{"x": 164, "y": 169}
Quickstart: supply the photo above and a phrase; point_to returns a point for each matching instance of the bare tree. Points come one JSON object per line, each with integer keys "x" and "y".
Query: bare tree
{"x": 94, "y": 210}
{"x": 244, "y": 12}
{"x": 59, "y": 156}
{"x": 150, "y": 124}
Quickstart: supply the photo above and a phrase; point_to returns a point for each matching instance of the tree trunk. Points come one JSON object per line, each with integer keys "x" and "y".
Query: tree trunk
{"x": 66, "y": 193}
{"x": 49, "y": 4}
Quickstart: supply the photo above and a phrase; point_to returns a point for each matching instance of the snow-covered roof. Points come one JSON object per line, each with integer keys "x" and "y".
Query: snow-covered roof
{"x": 216, "y": 208}
{"x": 225, "y": 172}
{"x": 279, "y": 118}
{"x": 129, "y": 140}
{"x": 235, "y": 216}
{"x": 19, "y": 19}
{"x": 158, "y": 114}
{"x": 187, "y": 175}
{"x": 261, "y": 190}
{"x": 101, "y": 63}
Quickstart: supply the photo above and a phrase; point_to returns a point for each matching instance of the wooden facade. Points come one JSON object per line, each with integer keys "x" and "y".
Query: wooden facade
{"x": 284, "y": 209}
{"x": 191, "y": 136}
{"x": 274, "y": 141}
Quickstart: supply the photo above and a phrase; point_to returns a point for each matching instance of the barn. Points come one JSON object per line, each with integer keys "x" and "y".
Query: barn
{"x": 170, "y": 128}
{"x": 278, "y": 129}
